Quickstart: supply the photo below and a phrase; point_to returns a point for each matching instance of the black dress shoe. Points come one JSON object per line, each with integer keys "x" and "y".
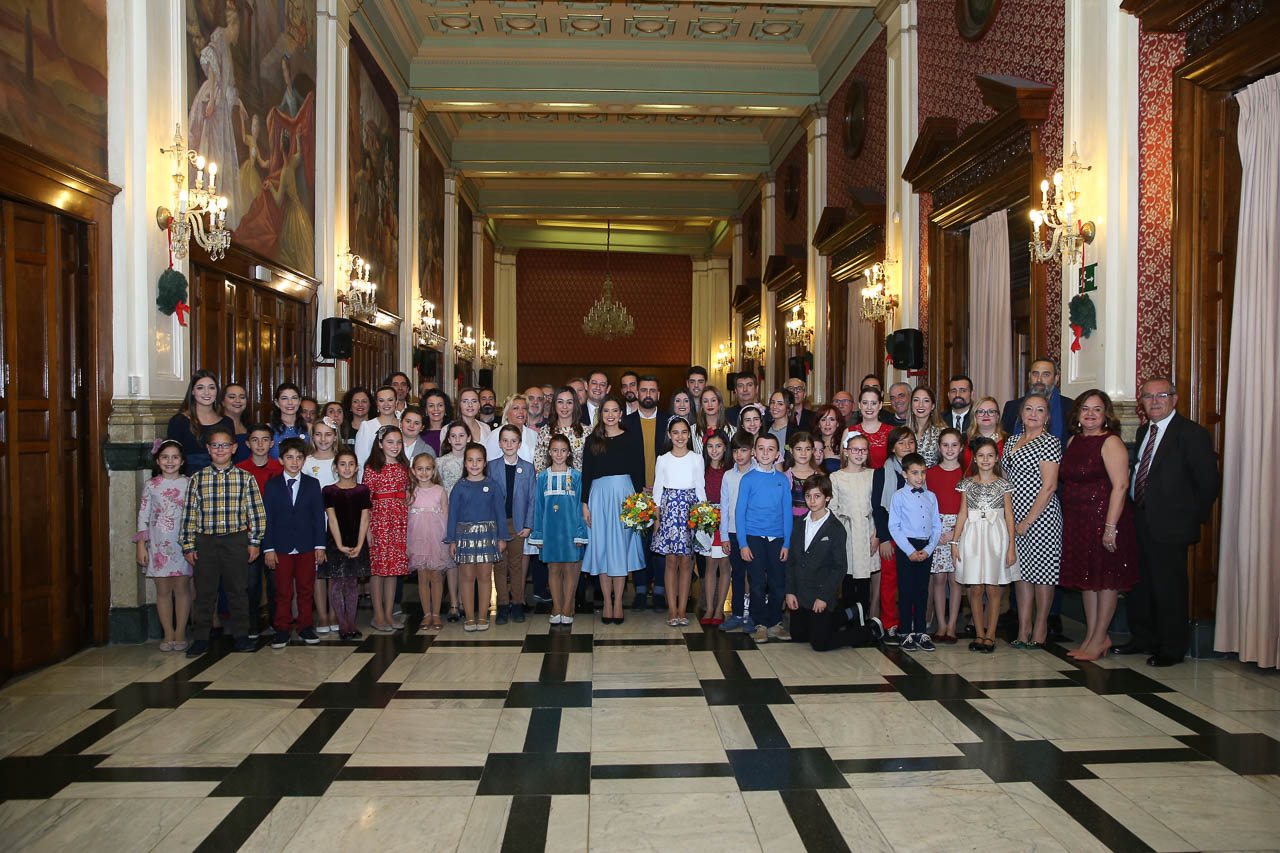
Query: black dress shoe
{"x": 1129, "y": 649}
{"x": 1163, "y": 660}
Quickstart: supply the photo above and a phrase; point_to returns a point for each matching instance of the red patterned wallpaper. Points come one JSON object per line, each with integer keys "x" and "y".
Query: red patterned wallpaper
{"x": 1026, "y": 40}
{"x": 792, "y": 232}
{"x": 1158, "y": 55}
{"x": 868, "y": 169}
{"x": 556, "y": 287}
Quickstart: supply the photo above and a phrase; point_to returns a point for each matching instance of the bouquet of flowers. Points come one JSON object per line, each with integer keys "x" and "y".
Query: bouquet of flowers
{"x": 638, "y": 512}
{"x": 704, "y": 521}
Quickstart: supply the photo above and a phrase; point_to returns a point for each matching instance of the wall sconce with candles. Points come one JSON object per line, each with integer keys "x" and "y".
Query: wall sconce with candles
{"x": 426, "y": 331}
{"x": 191, "y": 204}
{"x": 464, "y": 346}
{"x": 361, "y": 298}
{"x": 752, "y": 348}
{"x": 877, "y": 304}
{"x": 489, "y": 352}
{"x": 798, "y": 334}
{"x": 1067, "y": 234}
{"x": 724, "y": 356}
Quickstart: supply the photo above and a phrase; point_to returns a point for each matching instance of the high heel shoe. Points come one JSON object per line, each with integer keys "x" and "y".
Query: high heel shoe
{"x": 1088, "y": 657}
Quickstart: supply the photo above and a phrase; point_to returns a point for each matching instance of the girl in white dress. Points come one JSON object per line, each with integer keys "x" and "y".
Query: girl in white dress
{"x": 851, "y": 504}
{"x": 982, "y": 545}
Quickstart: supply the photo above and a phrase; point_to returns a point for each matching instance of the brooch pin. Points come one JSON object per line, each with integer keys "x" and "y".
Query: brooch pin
{"x": 486, "y": 488}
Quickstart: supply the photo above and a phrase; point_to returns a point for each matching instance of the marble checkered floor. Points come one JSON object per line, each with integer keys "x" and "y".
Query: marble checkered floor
{"x": 634, "y": 737}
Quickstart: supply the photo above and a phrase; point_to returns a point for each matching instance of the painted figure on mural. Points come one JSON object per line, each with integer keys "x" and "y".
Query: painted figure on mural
{"x": 253, "y": 113}
{"x": 374, "y": 154}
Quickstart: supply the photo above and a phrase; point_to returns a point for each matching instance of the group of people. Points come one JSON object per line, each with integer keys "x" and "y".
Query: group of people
{"x": 866, "y": 519}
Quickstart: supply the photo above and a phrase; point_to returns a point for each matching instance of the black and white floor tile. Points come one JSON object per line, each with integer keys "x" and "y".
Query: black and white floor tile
{"x": 634, "y": 737}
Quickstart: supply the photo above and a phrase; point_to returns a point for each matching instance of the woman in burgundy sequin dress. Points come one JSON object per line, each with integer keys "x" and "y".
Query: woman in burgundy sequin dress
{"x": 1099, "y": 554}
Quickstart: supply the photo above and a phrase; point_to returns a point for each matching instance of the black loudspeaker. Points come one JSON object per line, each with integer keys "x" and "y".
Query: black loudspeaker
{"x": 427, "y": 362}
{"x": 800, "y": 366}
{"x": 486, "y": 378}
{"x": 335, "y": 337}
{"x": 906, "y": 348}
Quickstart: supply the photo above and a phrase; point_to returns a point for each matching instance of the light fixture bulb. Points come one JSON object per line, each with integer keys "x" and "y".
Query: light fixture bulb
{"x": 213, "y": 169}
{"x": 200, "y": 162}
{"x": 1044, "y": 186}
{"x": 1057, "y": 178}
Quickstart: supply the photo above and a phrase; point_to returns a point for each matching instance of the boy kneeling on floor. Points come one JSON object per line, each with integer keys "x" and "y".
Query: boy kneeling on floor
{"x": 815, "y": 568}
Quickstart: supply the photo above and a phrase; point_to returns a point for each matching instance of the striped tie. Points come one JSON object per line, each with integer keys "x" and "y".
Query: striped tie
{"x": 1140, "y": 481}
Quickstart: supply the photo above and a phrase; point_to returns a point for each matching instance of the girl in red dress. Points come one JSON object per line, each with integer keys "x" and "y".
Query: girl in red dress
{"x": 386, "y": 473}
{"x": 877, "y": 433}
{"x": 942, "y": 480}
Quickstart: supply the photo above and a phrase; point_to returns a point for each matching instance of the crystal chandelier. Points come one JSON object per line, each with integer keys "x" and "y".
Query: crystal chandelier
{"x": 608, "y": 318}
{"x": 489, "y": 352}
{"x": 464, "y": 343}
{"x": 192, "y": 204}
{"x": 361, "y": 299}
{"x": 752, "y": 348}
{"x": 876, "y": 303}
{"x": 1067, "y": 234}
{"x": 426, "y": 331}
{"x": 797, "y": 333}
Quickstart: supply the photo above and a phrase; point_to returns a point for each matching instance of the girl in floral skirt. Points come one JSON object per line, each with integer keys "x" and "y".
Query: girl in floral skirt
{"x": 679, "y": 481}
{"x": 159, "y": 551}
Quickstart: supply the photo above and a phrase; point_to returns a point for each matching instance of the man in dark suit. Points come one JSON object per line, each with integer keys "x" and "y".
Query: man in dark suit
{"x": 597, "y": 389}
{"x": 801, "y": 416}
{"x": 960, "y": 400}
{"x": 1042, "y": 378}
{"x": 816, "y": 565}
{"x": 294, "y": 541}
{"x": 899, "y": 405}
{"x": 746, "y": 391}
{"x": 1175, "y": 483}
{"x": 652, "y": 425}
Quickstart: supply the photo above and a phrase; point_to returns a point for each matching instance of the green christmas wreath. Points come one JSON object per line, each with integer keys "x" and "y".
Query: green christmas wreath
{"x": 1084, "y": 319}
{"x": 171, "y": 294}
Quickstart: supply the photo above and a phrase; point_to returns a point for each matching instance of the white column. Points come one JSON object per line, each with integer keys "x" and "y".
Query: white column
{"x": 719, "y": 317}
{"x": 146, "y": 97}
{"x": 408, "y": 284}
{"x": 505, "y": 322}
{"x": 339, "y": 202}
{"x": 331, "y": 159}
{"x": 768, "y": 303}
{"x": 700, "y": 340}
{"x": 1100, "y": 106}
{"x": 902, "y": 207}
{"x": 816, "y": 263}
{"x": 449, "y": 311}
{"x": 736, "y": 276}
{"x": 477, "y": 286}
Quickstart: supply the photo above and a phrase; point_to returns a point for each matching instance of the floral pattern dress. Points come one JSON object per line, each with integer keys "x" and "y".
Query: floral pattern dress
{"x": 389, "y": 521}
{"x": 159, "y": 517}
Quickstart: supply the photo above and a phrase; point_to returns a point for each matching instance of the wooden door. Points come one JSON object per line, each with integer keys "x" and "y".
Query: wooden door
{"x": 46, "y": 586}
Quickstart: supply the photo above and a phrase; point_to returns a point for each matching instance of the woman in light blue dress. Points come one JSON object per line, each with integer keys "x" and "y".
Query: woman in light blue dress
{"x": 612, "y": 470}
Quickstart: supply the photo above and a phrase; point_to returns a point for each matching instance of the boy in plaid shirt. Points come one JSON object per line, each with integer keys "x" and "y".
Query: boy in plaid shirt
{"x": 223, "y": 520}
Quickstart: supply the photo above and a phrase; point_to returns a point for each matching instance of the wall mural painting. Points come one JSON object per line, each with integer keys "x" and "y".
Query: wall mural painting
{"x": 251, "y": 75}
{"x": 431, "y": 227}
{"x": 373, "y": 146}
{"x": 53, "y": 78}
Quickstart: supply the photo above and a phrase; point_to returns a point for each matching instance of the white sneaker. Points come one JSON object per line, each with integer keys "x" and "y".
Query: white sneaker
{"x": 335, "y": 629}
{"x": 555, "y": 618}
{"x": 322, "y": 629}
{"x": 566, "y": 620}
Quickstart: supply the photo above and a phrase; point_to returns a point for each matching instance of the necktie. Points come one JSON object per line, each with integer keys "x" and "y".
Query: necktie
{"x": 293, "y": 494}
{"x": 1140, "y": 481}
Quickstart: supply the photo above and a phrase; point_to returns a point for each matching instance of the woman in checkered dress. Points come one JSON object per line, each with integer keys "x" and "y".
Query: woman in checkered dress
{"x": 1031, "y": 465}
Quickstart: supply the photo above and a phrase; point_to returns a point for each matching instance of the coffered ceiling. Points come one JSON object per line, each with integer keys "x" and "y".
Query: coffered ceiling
{"x": 621, "y": 111}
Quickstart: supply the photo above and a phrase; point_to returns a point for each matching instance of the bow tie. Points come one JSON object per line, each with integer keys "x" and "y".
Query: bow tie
{"x": 917, "y": 491}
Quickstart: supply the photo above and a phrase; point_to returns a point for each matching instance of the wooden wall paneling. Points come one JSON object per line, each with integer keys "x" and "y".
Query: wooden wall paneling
{"x": 1228, "y": 47}
{"x": 77, "y": 401}
{"x": 373, "y": 354}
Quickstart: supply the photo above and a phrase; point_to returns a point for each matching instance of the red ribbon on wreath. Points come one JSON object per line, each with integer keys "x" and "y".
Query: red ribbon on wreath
{"x": 182, "y": 309}
{"x": 1075, "y": 343}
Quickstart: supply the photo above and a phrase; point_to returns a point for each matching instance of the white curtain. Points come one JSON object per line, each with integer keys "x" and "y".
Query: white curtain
{"x": 866, "y": 353}
{"x": 990, "y": 316}
{"x": 1248, "y": 616}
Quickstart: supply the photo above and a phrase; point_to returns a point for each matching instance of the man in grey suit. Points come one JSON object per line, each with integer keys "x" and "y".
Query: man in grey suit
{"x": 1174, "y": 485}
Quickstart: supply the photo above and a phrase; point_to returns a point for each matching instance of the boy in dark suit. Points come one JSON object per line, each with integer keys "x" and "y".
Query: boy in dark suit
{"x": 294, "y": 542}
{"x": 815, "y": 568}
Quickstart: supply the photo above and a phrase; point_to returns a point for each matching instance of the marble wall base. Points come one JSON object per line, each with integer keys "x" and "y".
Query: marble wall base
{"x": 131, "y": 428}
{"x": 133, "y": 624}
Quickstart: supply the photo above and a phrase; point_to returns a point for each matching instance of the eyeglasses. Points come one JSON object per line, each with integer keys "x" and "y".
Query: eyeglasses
{"x": 221, "y": 445}
{"x": 1162, "y": 395}
{"x": 985, "y": 412}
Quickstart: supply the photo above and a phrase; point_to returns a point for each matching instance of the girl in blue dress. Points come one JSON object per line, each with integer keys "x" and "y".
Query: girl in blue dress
{"x": 559, "y": 531}
{"x": 612, "y": 470}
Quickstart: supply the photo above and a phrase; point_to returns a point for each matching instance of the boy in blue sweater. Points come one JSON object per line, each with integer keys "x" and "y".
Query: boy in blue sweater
{"x": 916, "y": 527}
{"x": 763, "y": 517}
